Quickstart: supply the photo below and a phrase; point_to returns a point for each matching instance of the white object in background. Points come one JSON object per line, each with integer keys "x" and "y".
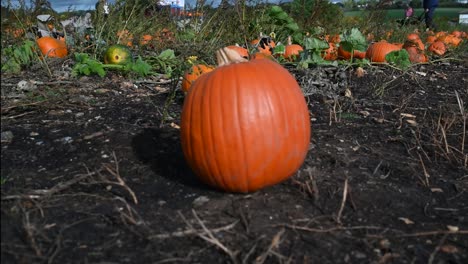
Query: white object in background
{"x": 463, "y": 18}
{"x": 44, "y": 18}
{"x": 106, "y": 8}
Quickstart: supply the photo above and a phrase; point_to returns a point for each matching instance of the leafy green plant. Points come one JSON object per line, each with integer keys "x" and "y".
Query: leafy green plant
{"x": 284, "y": 25}
{"x": 87, "y": 66}
{"x": 17, "y": 57}
{"x": 313, "y": 48}
{"x": 166, "y": 62}
{"x": 353, "y": 40}
{"x": 399, "y": 58}
{"x": 84, "y": 65}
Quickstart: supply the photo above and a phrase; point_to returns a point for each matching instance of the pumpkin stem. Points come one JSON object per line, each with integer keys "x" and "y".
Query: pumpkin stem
{"x": 289, "y": 40}
{"x": 226, "y": 56}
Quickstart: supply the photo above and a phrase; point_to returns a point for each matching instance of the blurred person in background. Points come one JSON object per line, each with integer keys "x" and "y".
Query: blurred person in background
{"x": 429, "y": 8}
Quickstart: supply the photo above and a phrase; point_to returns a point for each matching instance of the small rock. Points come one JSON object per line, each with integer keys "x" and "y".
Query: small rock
{"x": 26, "y": 86}
{"x": 200, "y": 201}
{"x": 7, "y": 136}
{"x": 66, "y": 140}
{"x": 359, "y": 255}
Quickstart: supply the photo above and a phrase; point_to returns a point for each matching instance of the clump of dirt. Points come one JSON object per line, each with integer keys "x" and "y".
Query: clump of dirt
{"x": 92, "y": 171}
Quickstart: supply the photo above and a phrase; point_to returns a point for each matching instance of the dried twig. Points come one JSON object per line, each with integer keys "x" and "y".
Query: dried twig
{"x": 275, "y": 242}
{"x": 315, "y": 190}
{"x": 208, "y": 236}
{"x": 58, "y": 239}
{"x": 397, "y": 233}
{"x": 343, "y": 201}
{"x": 8, "y": 108}
{"x": 115, "y": 172}
{"x": 426, "y": 174}
{"x": 436, "y": 249}
{"x": 30, "y": 234}
{"x": 131, "y": 215}
{"x": 37, "y": 194}
{"x": 191, "y": 232}
{"x": 464, "y": 116}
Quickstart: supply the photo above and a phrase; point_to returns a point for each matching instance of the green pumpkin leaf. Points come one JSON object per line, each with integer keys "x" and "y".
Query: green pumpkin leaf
{"x": 313, "y": 43}
{"x": 279, "y": 49}
{"x": 399, "y": 58}
{"x": 293, "y": 26}
{"x": 353, "y": 40}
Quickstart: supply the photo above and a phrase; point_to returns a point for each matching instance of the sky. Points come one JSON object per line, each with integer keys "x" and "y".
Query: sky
{"x": 64, "y": 5}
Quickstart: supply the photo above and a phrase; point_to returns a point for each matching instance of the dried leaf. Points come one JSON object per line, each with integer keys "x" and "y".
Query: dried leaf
{"x": 407, "y": 115}
{"x": 453, "y": 228}
{"x": 412, "y": 122}
{"x": 348, "y": 93}
{"x": 406, "y": 220}
{"x": 360, "y": 72}
{"x": 421, "y": 73}
{"x": 364, "y": 113}
{"x": 450, "y": 249}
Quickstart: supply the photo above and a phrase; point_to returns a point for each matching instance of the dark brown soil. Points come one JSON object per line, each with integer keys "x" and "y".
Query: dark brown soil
{"x": 92, "y": 172}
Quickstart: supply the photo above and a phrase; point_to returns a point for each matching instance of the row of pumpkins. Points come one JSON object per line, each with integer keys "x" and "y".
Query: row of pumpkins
{"x": 435, "y": 43}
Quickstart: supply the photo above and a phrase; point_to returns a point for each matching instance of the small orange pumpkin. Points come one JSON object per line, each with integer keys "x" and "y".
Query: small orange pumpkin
{"x": 333, "y": 38}
{"x": 450, "y": 40}
{"x": 456, "y": 33}
{"x": 431, "y": 39}
{"x": 260, "y": 55}
{"x": 438, "y": 48}
{"x": 377, "y": 51}
{"x": 416, "y": 55}
{"x": 193, "y": 73}
{"x": 51, "y": 47}
{"x": 125, "y": 37}
{"x": 346, "y": 55}
{"x": 264, "y": 44}
{"x": 241, "y": 50}
{"x": 331, "y": 53}
{"x": 412, "y": 36}
{"x": 414, "y": 43}
{"x": 292, "y": 51}
{"x": 146, "y": 39}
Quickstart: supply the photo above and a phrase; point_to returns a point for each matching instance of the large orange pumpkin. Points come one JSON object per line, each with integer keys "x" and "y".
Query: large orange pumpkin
{"x": 51, "y": 47}
{"x": 377, "y": 51}
{"x": 245, "y": 125}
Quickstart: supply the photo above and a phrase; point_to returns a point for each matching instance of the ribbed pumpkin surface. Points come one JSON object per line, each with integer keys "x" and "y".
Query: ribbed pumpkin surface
{"x": 245, "y": 126}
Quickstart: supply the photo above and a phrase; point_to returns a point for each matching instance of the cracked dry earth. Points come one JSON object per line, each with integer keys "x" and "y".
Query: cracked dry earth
{"x": 92, "y": 172}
